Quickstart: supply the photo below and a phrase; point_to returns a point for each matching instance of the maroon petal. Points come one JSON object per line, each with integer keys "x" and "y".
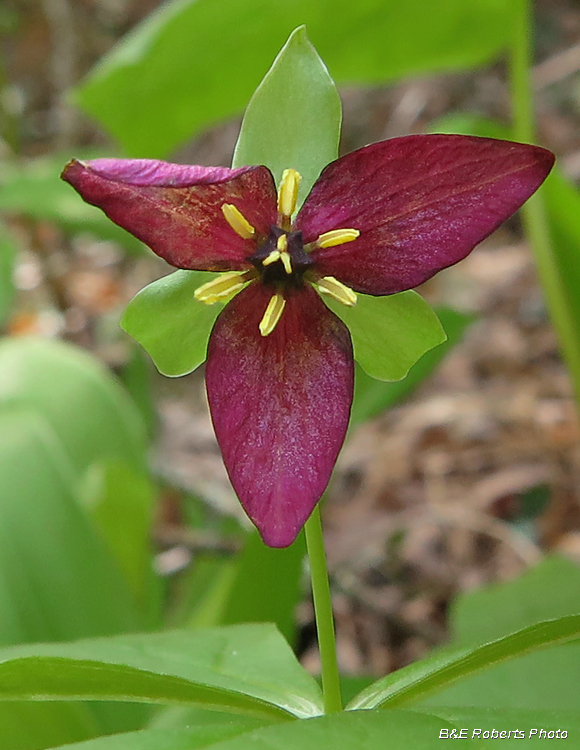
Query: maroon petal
{"x": 421, "y": 203}
{"x": 176, "y": 209}
{"x": 280, "y": 405}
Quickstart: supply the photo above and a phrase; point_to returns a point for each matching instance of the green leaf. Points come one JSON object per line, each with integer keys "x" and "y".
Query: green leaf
{"x": 7, "y": 255}
{"x": 204, "y": 722}
{"x": 267, "y": 585}
{"x": 122, "y": 502}
{"x": 170, "y": 324}
{"x": 371, "y": 397}
{"x": 363, "y": 730}
{"x": 247, "y": 669}
{"x": 61, "y": 383}
{"x": 201, "y": 60}
{"x": 193, "y": 736}
{"x": 34, "y": 189}
{"x": 35, "y": 726}
{"x": 547, "y": 679}
{"x": 548, "y": 590}
{"x": 293, "y": 119}
{"x": 389, "y": 334}
{"x": 413, "y": 683}
{"x": 56, "y": 580}
{"x": 351, "y": 686}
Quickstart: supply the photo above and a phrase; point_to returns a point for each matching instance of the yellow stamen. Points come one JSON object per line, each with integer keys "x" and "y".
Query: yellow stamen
{"x": 284, "y": 255}
{"x": 272, "y": 258}
{"x": 272, "y": 315}
{"x": 337, "y": 237}
{"x": 286, "y": 262}
{"x": 238, "y": 221}
{"x": 337, "y": 290}
{"x": 288, "y": 193}
{"x": 220, "y": 288}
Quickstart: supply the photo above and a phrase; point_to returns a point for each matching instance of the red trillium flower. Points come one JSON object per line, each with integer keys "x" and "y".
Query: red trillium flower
{"x": 378, "y": 221}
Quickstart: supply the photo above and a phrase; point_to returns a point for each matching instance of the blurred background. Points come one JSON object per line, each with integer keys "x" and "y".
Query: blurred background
{"x": 466, "y": 475}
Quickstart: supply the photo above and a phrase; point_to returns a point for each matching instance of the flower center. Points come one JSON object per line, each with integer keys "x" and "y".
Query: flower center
{"x": 281, "y": 261}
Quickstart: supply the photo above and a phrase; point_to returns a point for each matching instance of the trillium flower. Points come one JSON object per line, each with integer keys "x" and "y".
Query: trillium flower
{"x": 279, "y": 370}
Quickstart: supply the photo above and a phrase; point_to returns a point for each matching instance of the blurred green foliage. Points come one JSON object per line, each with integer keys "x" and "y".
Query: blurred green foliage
{"x": 194, "y": 63}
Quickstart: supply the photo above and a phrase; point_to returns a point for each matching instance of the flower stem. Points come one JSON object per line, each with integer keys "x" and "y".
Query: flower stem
{"x": 323, "y": 613}
{"x": 534, "y": 212}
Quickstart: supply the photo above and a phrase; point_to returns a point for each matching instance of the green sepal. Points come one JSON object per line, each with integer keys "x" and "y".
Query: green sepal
{"x": 293, "y": 119}
{"x": 170, "y": 324}
{"x": 389, "y": 334}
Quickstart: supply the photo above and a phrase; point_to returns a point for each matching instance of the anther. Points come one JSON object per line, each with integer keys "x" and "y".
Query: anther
{"x": 238, "y": 221}
{"x": 286, "y": 262}
{"x": 337, "y": 290}
{"x": 272, "y": 314}
{"x": 284, "y": 255}
{"x": 337, "y": 237}
{"x": 272, "y": 258}
{"x": 220, "y": 288}
{"x": 288, "y": 193}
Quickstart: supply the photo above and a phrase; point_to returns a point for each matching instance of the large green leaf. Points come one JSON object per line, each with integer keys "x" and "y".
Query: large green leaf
{"x": 247, "y": 669}
{"x": 57, "y": 581}
{"x": 363, "y": 730}
{"x": 389, "y": 334}
{"x": 192, "y": 737}
{"x": 550, "y": 589}
{"x": 91, "y": 415}
{"x": 193, "y": 63}
{"x": 35, "y": 726}
{"x": 415, "y": 682}
{"x": 293, "y": 119}
{"x": 205, "y": 722}
{"x": 170, "y": 324}
{"x": 547, "y": 679}
{"x": 372, "y": 396}
{"x": 34, "y": 189}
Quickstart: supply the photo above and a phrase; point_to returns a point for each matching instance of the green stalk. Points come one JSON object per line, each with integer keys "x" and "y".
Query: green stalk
{"x": 534, "y": 212}
{"x": 323, "y": 613}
